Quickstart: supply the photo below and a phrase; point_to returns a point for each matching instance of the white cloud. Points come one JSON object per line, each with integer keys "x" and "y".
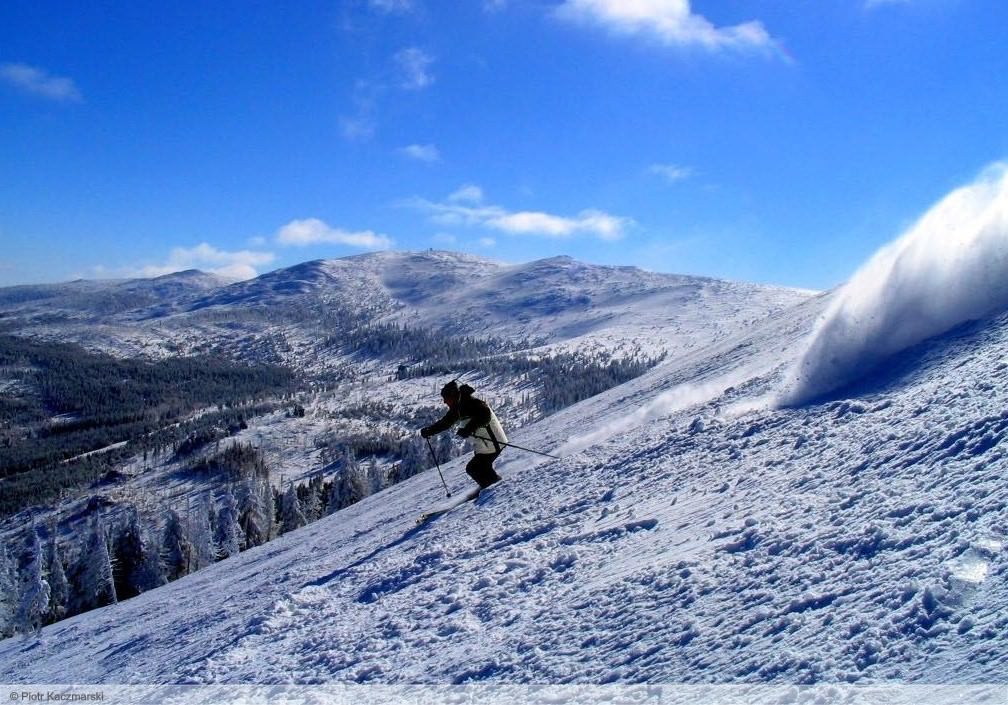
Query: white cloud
{"x": 670, "y": 21}
{"x": 312, "y": 231}
{"x": 470, "y": 193}
{"x": 414, "y": 68}
{"x": 422, "y": 153}
{"x": 671, "y": 172}
{"x": 456, "y": 212}
{"x": 39, "y": 82}
{"x": 243, "y": 264}
{"x": 487, "y": 242}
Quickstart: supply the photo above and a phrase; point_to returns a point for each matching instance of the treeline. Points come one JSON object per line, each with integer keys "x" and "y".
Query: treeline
{"x": 100, "y": 402}
{"x": 394, "y": 341}
{"x": 566, "y": 379}
{"x": 128, "y": 552}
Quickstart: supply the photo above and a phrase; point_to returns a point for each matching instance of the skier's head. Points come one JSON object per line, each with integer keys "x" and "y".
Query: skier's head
{"x": 450, "y": 393}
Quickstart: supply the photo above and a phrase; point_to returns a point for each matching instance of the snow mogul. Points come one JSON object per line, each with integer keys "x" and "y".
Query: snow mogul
{"x": 481, "y": 427}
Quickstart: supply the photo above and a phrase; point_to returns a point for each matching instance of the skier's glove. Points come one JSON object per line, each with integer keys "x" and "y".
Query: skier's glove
{"x": 463, "y": 433}
{"x": 426, "y": 432}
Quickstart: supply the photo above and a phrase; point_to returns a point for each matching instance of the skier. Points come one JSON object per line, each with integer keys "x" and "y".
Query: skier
{"x": 481, "y": 426}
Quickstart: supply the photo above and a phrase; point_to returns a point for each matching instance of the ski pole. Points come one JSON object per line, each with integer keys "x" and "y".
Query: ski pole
{"x": 438, "y": 466}
{"x": 527, "y": 450}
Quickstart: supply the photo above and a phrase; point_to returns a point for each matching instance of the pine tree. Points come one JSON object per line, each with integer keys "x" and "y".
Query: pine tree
{"x": 346, "y": 485}
{"x": 204, "y": 550}
{"x": 150, "y": 573}
{"x": 93, "y": 583}
{"x": 176, "y": 550}
{"x": 137, "y": 559}
{"x": 291, "y": 516}
{"x": 8, "y": 593}
{"x": 229, "y": 535}
{"x": 312, "y": 503}
{"x": 127, "y": 554}
{"x": 255, "y": 518}
{"x": 333, "y": 498}
{"x": 59, "y": 586}
{"x": 35, "y": 593}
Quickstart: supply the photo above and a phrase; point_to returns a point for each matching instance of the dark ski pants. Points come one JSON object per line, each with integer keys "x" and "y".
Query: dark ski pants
{"x": 480, "y": 468}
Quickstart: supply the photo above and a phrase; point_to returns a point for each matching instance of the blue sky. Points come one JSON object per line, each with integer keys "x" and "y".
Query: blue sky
{"x": 765, "y": 141}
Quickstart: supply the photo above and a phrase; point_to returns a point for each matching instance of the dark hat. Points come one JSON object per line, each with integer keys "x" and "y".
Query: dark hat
{"x": 450, "y": 390}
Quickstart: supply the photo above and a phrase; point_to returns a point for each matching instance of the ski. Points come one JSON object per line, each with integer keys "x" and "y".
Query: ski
{"x": 438, "y": 511}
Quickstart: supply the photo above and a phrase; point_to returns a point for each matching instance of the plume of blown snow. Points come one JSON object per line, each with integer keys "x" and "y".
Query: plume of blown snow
{"x": 949, "y": 268}
{"x": 679, "y": 398}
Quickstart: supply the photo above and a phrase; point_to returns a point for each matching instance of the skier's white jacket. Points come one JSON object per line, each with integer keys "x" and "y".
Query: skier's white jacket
{"x": 481, "y": 424}
{"x": 489, "y": 438}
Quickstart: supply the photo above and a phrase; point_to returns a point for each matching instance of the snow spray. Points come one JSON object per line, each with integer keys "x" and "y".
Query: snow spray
{"x": 948, "y": 268}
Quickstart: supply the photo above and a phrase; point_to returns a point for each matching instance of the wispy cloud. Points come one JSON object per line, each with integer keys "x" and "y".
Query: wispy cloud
{"x": 671, "y": 173}
{"x": 465, "y": 207}
{"x": 469, "y": 193}
{"x": 40, "y": 82}
{"x": 422, "y": 153}
{"x": 414, "y": 66}
{"x": 408, "y": 70}
{"x": 362, "y": 125}
{"x": 312, "y": 231}
{"x": 672, "y": 22}
{"x": 243, "y": 264}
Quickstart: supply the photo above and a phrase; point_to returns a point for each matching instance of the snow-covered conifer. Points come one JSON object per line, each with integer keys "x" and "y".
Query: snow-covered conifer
{"x": 8, "y": 593}
{"x": 347, "y": 487}
{"x": 204, "y": 549}
{"x": 150, "y": 573}
{"x": 176, "y": 549}
{"x": 333, "y": 498}
{"x": 127, "y": 554}
{"x": 33, "y": 607}
{"x": 229, "y": 535}
{"x": 136, "y": 558}
{"x": 255, "y": 517}
{"x": 93, "y": 583}
{"x": 59, "y": 586}
{"x": 291, "y": 516}
{"x": 312, "y": 505}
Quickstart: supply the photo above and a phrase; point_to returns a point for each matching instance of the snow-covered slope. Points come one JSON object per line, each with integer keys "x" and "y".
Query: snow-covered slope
{"x": 103, "y": 298}
{"x": 700, "y": 535}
